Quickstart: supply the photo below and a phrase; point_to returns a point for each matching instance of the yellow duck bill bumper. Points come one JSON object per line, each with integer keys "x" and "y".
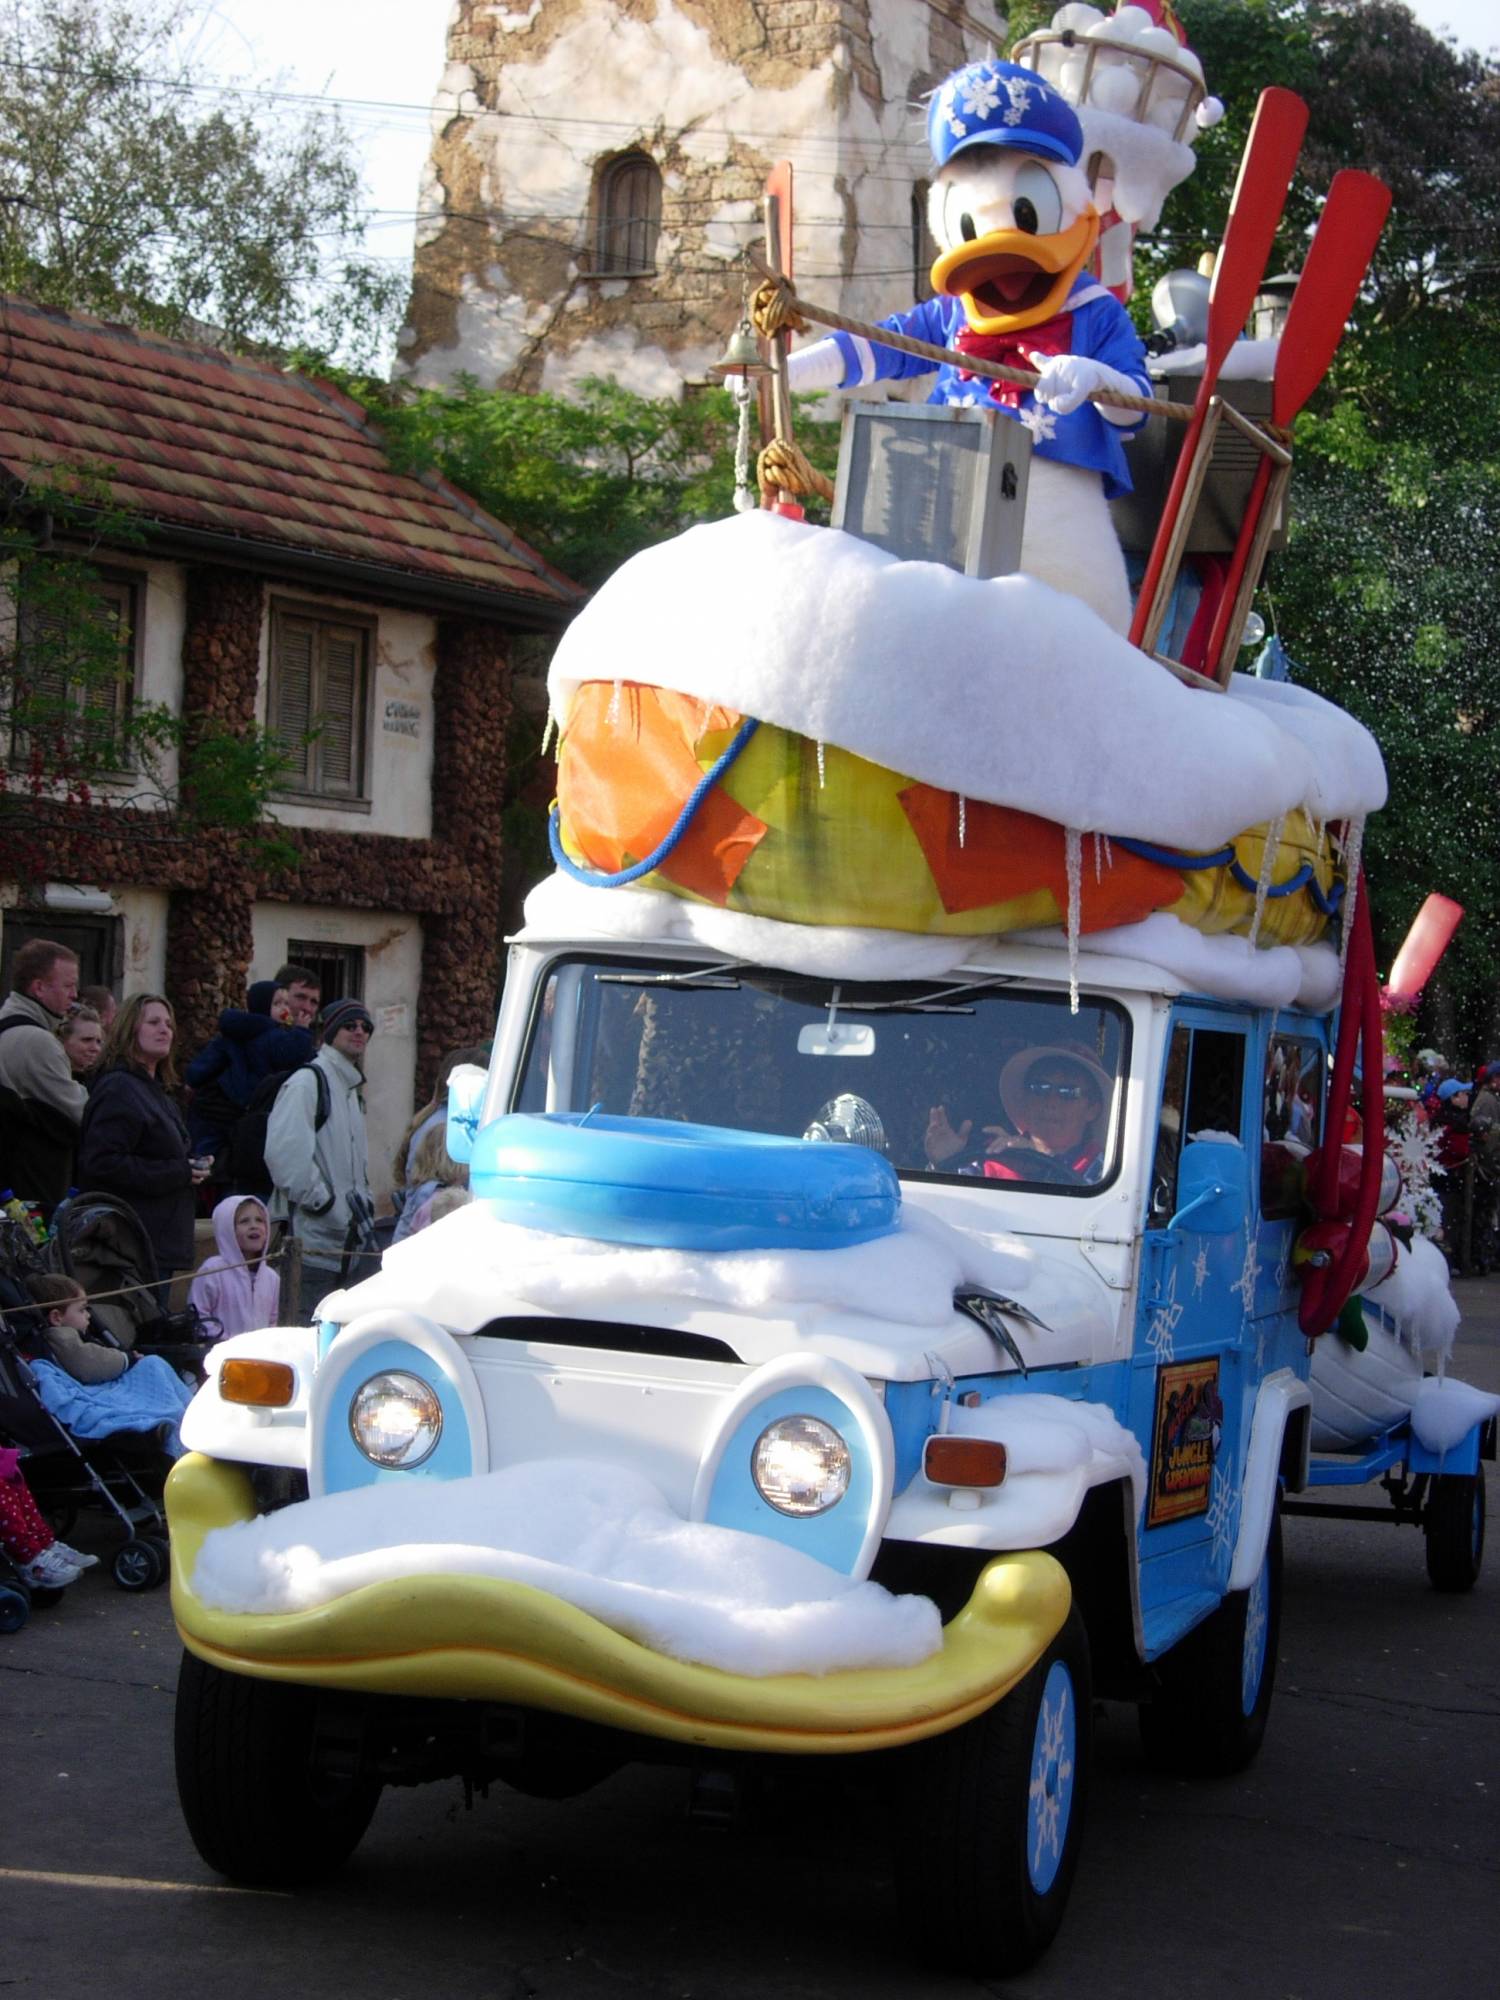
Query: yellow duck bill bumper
{"x": 474, "y": 1638}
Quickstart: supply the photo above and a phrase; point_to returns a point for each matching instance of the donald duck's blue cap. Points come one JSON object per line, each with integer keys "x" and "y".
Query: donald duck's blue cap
{"x": 1001, "y": 104}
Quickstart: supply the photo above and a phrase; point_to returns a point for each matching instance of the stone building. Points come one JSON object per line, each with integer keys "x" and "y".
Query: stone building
{"x": 278, "y": 571}
{"x": 597, "y": 168}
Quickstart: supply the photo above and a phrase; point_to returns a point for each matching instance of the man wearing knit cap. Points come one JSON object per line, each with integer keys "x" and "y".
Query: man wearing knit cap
{"x": 317, "y": 1152}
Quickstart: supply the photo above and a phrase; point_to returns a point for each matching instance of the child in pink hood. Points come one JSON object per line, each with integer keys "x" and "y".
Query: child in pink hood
{"x": 237, "y": 1291}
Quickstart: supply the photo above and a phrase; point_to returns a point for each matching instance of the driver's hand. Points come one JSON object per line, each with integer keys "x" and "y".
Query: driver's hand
{"x": 1003, "y": 1140}
{"x": 942, "y": 1142}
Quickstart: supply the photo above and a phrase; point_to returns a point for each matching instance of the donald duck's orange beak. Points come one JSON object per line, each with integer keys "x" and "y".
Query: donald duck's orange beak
{"x": 1008, "y": 280}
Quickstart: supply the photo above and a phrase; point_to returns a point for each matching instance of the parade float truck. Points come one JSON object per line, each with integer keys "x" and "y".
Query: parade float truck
{"x": 910, "y": 1174}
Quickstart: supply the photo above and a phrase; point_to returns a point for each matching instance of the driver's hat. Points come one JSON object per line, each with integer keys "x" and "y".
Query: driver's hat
{"x": 1017, "y": 1074}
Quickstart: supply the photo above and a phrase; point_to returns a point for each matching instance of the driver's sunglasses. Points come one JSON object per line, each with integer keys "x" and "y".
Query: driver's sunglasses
{"x": 1041, "y": 1086}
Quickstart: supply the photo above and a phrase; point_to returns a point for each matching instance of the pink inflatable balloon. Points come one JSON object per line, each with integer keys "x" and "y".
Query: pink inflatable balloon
{"x": 1426, "y": 941}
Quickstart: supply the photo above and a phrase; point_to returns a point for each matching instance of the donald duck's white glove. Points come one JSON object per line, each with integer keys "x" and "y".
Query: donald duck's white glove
{"x": 1066, "y": 381}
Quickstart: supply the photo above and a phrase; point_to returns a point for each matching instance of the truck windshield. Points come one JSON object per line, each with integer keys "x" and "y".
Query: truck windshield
{"x": 994, "y": 1083}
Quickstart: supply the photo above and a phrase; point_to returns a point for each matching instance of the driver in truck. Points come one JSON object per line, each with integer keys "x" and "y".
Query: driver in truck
{"x": 1056, "y": 1100}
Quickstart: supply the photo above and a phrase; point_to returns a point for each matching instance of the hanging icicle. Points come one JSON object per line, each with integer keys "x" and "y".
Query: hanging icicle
{"x": 1263, "y": 881}
{"x": 746, "y": 499}
{"x": 822, "y": 765}
{"x": 1354, "y": 840}
{"x": 612, "y": 715}
{"x": 549, "y": 732}
{"x": 1073, "y": 848}
{"x": 963, "y": 819}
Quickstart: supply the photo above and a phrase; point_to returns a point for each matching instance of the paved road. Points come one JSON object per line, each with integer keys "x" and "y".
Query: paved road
{"x": 1359, "y": 1857}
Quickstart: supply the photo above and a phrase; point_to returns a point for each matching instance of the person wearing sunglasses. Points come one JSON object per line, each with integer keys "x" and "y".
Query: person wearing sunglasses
{"x": 1057, "y": 1101}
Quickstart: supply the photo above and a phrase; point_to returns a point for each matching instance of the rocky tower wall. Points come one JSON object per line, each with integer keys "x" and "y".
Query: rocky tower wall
{"x": 536, "y": 101}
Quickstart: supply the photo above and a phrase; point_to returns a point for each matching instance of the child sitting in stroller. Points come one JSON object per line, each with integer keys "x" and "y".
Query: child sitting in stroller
{"x": 96, "y": 1389}
{"x": 25, "y": 1536}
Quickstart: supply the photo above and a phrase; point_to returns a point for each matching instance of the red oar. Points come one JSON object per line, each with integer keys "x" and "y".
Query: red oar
{"x": 1254, "y": 214}
{"x": 1337, "y": 260}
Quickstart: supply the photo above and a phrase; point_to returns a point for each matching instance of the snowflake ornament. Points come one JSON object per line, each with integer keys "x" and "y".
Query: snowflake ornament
{"x": 1200, "y": 1269}
{"x": 1040, "y": 422}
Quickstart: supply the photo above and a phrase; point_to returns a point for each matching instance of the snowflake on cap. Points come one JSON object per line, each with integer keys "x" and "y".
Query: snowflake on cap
{"x": 981, "y": 92}
{"x": 1019, "y": 93}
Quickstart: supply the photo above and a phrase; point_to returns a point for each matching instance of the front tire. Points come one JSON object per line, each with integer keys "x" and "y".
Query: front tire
{"x": 1213, "y": 1695}
{"x": 991, "y": 1816}
{"x": 256, "y": 1806}
{"x": 1454, "y": 1529}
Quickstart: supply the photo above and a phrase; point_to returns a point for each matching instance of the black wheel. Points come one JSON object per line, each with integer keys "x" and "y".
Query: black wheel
{"x": 15, "y": 1606}
{"x": 161, "y": 1548}
{"x": 1453, "y": 1523}
{"x": 991, "y": 1816}
{"x": 139, "y": 1565}
{"x": 1213, "y": 1693}
{"x": 258, "y": 1809}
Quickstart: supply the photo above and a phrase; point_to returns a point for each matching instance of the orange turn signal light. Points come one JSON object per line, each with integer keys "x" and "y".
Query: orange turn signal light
{"x": 269, "y": 1385}
{"x": 964, "y": 1461}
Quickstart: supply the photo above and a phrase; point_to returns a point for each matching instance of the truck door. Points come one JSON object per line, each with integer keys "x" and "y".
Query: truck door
{"x": 1196, "y": 1295}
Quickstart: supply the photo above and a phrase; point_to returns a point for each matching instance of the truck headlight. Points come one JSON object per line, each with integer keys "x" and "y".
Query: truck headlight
{"x": 800, "y": 1465}
{"x": 396, "y": 1419}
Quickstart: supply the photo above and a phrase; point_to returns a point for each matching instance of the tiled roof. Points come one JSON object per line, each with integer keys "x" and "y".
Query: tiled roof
{"x": 198, "y": 440}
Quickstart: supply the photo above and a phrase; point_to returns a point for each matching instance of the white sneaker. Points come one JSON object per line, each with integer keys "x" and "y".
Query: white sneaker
{"x": 75, "y": 1556}
{"x": 50, "y": 1570}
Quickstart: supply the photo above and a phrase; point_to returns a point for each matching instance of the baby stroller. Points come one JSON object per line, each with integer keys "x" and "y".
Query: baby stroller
{"x": 121, "y": 1475}
{"x": 98, "y": 1241}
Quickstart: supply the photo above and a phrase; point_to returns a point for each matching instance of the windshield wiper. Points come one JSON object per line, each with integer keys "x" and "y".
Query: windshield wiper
{"x": 705, "y": 976}
{"x": 930, "y": 1003}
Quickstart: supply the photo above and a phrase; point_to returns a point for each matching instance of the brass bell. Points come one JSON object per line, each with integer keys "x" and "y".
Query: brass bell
{"x": 742, "y": 355}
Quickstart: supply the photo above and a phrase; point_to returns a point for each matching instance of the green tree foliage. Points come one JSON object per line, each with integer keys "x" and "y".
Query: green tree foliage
{"x": 588, "y": 481}
{"x": 132, "y": 187}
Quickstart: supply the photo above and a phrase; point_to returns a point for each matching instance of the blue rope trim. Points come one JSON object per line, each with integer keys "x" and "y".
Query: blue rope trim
{"x": 1224, "y": 857}
{"x": 597, "y": 878}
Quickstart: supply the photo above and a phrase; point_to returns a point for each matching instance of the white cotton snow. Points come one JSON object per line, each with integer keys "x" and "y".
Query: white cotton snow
{"x": 998, "y": 688}
{"x": 562, "y": 907}
{"x": 1444, "y": 1411}
{"x": 598, "y": 1537}
{"x": 1044, "y": 1434}
{"x": 1418, "y": 1299}
{"x": 904, "y": 1279}
{"x": 1148, "y": 163}
{"x": 1224, "y": 966}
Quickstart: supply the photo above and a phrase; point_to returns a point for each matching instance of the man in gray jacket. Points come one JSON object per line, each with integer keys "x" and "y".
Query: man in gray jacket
{"x": 317, "y": 1154}
{"x": 41, "y": 1101}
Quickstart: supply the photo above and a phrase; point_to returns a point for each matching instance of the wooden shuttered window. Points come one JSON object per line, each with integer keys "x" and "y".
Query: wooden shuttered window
{"x": 73, "y": 683}
{"x": 318, "y": 701}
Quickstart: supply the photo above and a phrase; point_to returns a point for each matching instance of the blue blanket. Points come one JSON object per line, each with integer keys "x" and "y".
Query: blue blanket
{"x": 148, "y": 1394}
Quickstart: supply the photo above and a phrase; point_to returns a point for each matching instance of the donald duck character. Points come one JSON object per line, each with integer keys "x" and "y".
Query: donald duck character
{"x": 1012, "y": 215}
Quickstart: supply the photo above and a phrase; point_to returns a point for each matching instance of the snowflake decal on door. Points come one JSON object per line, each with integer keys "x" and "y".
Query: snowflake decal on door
{"x": 1160, "y": 1334}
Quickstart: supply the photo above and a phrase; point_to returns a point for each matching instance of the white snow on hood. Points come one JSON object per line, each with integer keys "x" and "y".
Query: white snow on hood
{"x": 598, "y": 1537}
{"x": 461, "y": 1270}
{"x": 997, "y": 688}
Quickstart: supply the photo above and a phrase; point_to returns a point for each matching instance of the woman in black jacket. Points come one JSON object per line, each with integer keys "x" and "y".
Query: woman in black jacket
{"x": 133, "y": 1142}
